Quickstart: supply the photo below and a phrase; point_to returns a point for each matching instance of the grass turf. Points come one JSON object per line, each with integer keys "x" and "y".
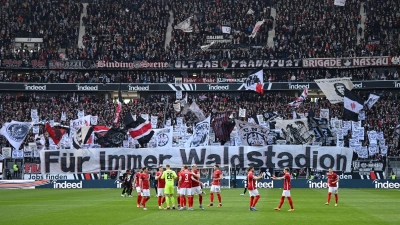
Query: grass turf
{"x": 106, "y": 206}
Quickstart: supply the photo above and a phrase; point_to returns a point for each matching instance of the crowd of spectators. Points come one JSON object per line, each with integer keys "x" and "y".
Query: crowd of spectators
{"x": 383, "y": 116}
{"x": 288, "y": 75}
{"x": 57, "y": 22}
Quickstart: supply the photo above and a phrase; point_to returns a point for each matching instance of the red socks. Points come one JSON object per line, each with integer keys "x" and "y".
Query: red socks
{"x": 282, "y": 201}
{"x": 201, "y": 199}
{"x": 251, "y": 201}
{"x": 211, "y": 197}
{"x": 336, "y": 198}
{"x": 159, "y": 200}
{"x": 256, "y": 200}
{"x": 183, "y": 201}
{"x": 329, "y": 197}
{"x": 163, "y": 200}
{"x": 290, "y": 202}
{"x": 190, "y": 200}
{"x": 139, "y": 199}
{"x": 144, "y": 200}
{"x": 219, "y": 198}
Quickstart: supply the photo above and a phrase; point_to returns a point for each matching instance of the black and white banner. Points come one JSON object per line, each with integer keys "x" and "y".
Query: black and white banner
{"x": 296, "y": 131}
{"x": 15, "y": 132}
{"x": 324, "y": 114}
{"x": 340, "y": 2}
{"x": 372, "y": 99}
{"x": 252, "y": 134}
{"x": 185, "y": 25}
{"x": 334, "y": 88}
{"x": 201, "y": 133}
{"x": 276, "y": 156}
{"x": 226, "y": 29}
{"x": 161, "y": 138}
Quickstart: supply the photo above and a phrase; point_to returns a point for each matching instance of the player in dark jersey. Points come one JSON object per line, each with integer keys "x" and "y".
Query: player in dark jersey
{"x": 131, "y": 184}
{"x": 245, "y": 184}
{"x": 126, "y": 183}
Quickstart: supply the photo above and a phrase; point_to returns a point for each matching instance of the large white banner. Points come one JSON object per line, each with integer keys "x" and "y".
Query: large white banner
{"x": 276, "y": 156}
{"x": 334, "y": 88}
{"x": 296, "y": 131}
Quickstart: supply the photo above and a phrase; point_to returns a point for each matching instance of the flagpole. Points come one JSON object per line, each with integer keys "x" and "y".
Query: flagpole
{"x": 165, "y": 112}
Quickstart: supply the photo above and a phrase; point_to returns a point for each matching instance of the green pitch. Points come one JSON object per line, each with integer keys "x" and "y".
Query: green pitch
{"x": 106, "y": 206}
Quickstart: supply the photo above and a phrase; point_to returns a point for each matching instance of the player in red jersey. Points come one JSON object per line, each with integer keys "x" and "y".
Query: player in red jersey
{"x": 196, "y": 188}
{"x": 286, "y": 189}
{"x": 160, "y": 187}
{"x": 144, "y": 184}
{"x": 216, "y": 186}
{"x": 251, "y": 185}
{"x": 333, "y": 180}
{"x": 185, "y": 188}
{"x": 136, "y": 181}
{"x": 178, "y": 186}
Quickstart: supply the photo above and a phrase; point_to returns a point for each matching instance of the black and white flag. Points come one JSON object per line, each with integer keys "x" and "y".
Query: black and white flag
{"x": 296, "y": 131}
{"x": 178, "y": 94}
{"x": 242, "y": 112}
{"x": 206, "y": 47}
{"x": 185, "y": 25}
{"x": 178, "y": 81}
{"x": 334, "y": 88}
{"x": 256, "y": 28}
{"x": 197, "y": 111}
{"x": 34, "y": 113}
{"x": 63, "y": 116}
{"x": 81, "y": 113}
{"x": 252, "y": 134}
{"x": 226, "y": 29}
{"x": 352, "y": 106}
{"x": 201, "y": 133}
{"x": 153, "y": 121}
{"x": 15, "y": 132}
{"x": 161, "y": 138}
{"x": 372, "y": 99}
{"x": 93, "y": 120}
{"x": 324, "y": 113}
{"x": 177, "y": 106}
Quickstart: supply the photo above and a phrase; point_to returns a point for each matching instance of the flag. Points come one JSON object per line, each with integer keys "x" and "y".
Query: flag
{"x": 206, "y": 47}
{"x": 111, "y": 138}
{"x": 252, "y": 134}
{"x": 250, "y": 12}
{"x": 226, "y": 29}
{"x": 81, "y": 136}
{"x": 256, "y": 28}
{"x": 300, "y": 99}
{"x": 177, "y": 106}
{"x": 255, "y": 82}
{"x": 320, "y": 127}
{"x": 201, "y": 133}
{"x": 372, "y": 99}
{"x": 15, "y": 132}
{"x": 352, "y": 106}
{"x": 185, "y": 25}
{"x": 119, "y": 106}
{"x": 162, "y": 138}
{"x": 55, "y": 133}
{"x": 296, "y": 131}
{"x": 140, "y": 129}
{"x": 222, "y": 127}
{"x": 340, "y": 2}
{"x": 334, "y": 88}
{"x": 197, "y": 111}
{"x": 269, "y": 116}
{"x": 295, "y": 115}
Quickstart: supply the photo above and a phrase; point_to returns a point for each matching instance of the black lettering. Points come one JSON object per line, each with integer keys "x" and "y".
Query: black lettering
{"x": 71, "y": 167}
{"x": 288, "y": 162}
{"x": 116, "y": 158}
{"x": 134, "y": 161}
{"x": 163, "y": 157}
{"x": 193, "y": 158}
{"x": 322, "y": 161}
{"x": 255, "y": 162}
{"x": 239, "y": 157}
{"x": 102, "y": 160}
{"x": 306, "y": 158}
{"x": 81, "y": 160}
{"x": 269, "y": 154}
{"x": 216, "y": 159}
{"x": 315, "y": 159}
{"x": 338, "y": 162}
{"x": 48, "y": 159}
{"x": 150, "y": 161}
{"x": 226, "y": 155}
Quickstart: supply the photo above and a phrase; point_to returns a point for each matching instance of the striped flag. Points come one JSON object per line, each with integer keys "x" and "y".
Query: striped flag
{"x": 222, "y": 127}
{"x": 139, "y": 129}
{"x": 300, "y": 99}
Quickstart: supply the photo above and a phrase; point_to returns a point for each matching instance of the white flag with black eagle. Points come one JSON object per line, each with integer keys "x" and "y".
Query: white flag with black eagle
{"x": 15, "y": 132}
{"x": 296, "y": 131}
{"x": 372, "y": 99}
{"x": 352, "y": 106}
{"x": 161, "y": 138}
{"x": 252, "y": 134}
{"x": 185, "y": 25}
{"x": 334, "y": 88}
